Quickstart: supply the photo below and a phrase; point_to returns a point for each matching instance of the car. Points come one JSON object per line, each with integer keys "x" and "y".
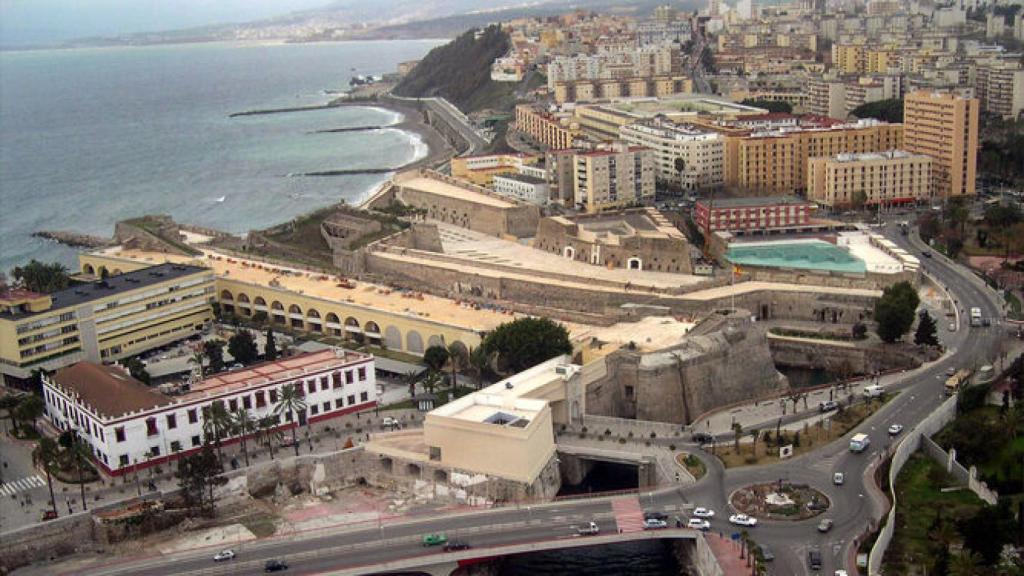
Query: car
{"x": 814, "y": 559}
{"x": 391, "y": 422}
{"x": 951, "y": 371}
{"x": 456, "y": 545}
{"x": 838, "y": 478}
{"x": 275, "y": 566}
{"x": 952, "y": 326}
{"x": 703, "y": 512}
{"x": 926, "y": 254}
{"x": 698, "y": 524}
{"x": 655, "y": 516}
{"x": 49, "y": 515}
{"x": 588, "y": 529}
{"x": 743, "y": 520}
{"x": 654, "y": 524}
{"x": 895, "y": 429}
{"x": 840, "y": 573}
{"x": 825, "y": 525}
{"x": 766, "y": 552}
{"x": 827, "y": 406}
{"x": 702, "y": 438}
{"x": 435, "y": 539}
{"x": 224, "y": 555}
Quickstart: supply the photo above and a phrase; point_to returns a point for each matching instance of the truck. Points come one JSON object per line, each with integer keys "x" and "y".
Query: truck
{"x": 873, "y": 391}
{"x": 958, "y": 379}
{"x": 588, "y": 529}
{"x": 975, "y": 316}
{"x": 859, "y": 442}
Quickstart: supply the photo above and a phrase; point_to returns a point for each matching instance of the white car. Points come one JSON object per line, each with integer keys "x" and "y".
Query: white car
{"x": 224, "y": 555}
{"x": 838, "y": 478}
{"x": 743, "y": 520}
{"x": 704, "y": 513}
{"x": 390, "y": 422}
{"x": 840, "y": 572}
{"x": 895, "y": 429}
{"x": 699, "y": 524}
{"x": 654, "y": 524}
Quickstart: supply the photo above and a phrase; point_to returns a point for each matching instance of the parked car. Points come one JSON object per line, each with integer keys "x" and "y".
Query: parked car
{"x": 952, "y": 326}
{"x": 435, "y": 539}
{"x": 814, "y": 559}
{"x": 827, "y": 406}
{"x": 275, "y": 566}
{"x": 588, "y": 529}
{"x": 926, "y": 254}
{"x": 825, "y": 525}
{"x": 456, "y": 545}
{"x": 743, "y": 520}
{"x": 951, "y": 371}
{"x": 766, "y": 552}
{"x": 654, "y": 524}
{"x": 895, "y": 429}
{"x": 698, "y": 524}
{"x": 655, "y": 516}
{"x": 703, "y": 512}
{"x": 838, "y": 478}
{"x": 49, "y": 515}
{"x": 224, "y": 555}
{"x": 391, "y": 422}
{"x": 702, "y": 437}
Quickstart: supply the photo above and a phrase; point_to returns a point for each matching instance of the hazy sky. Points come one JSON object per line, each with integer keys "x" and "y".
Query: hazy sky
{"x": 44, "y": 21}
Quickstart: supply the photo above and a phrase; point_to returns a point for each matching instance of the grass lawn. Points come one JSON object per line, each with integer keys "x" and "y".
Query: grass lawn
{"x": 1014, "y": 303}
{"x": 394, "y": 355}
{"x": 811, "y": 437}
{"x": 260, "y": 524}
{"x": 919, "y": 496}
{"x": 695, "y": 466}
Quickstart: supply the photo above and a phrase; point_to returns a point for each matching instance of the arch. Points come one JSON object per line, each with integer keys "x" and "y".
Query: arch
{"x": 392, "y": 338}
{"x": 88, "y": 269}
{"x": 412, "y": 470}
{"x": 440, "y": 476}
{"x": 332, "y": 318}
{"x": 243, "y": 298}
{"x": 414, "y": 342}
{"x": 294, "y": 309}
{"x": 226, "y": 295}
{"x": 371, "y": 326}
{"x": 387, "y": 464}
{"x": 101, "y": 271}
{"x": 350, "y": 321}
{"x": 569, "y": 252}
{"x": 635, "y": 264}
{"x": 434, "y": 340}
{"x": 277, "y": 306}
{"x": 313, "y": 314}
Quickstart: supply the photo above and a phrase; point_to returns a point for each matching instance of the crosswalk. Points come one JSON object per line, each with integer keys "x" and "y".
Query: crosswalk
{"x": 629, "y": 517}
{"x": 28, "y": 483}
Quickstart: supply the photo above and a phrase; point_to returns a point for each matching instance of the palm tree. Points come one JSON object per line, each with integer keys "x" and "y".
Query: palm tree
{"x": 478, "y": 362}
{"x": 8, "y": 403}
{"x": 966, "y": 563}
{"x": 291, "y": 402}
{"x": 754, "y": 435}
{"x": 29, "y": 408}
{"x": 243, "y": 425}
{"x": 45, "y": 454}
{"x": 457, "y": 359}
{"x": 737, "y": 430}
{"x": 198, "y": 357}
{"x": 268, "y": 433}
{"x": 216, "y": 424}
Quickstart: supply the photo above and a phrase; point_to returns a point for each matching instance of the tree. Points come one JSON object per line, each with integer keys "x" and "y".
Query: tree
{"x": 291, "y": 402}
{"x": 268, "y": 433}
{"x": 242, "y": 347}
{"x": 754, "y": 435}
{"x": 859, "y": 331}
{"x": 431, "y": 381}
{"x": 137, "y": 369}
{"x": 198, "y": 358}
{"x": 769, "y": 105}
{"x": 243, "y": 425}
{"x": 216, "y": 424}
{"x": 45, "y": 454}
{"x": 214, "y": 351}
{"x": 458, "y": 358}
{"x": 957, "y": 214}
{"x": 894, "y": 311}
{"x": 999, "y": 217}
{"x": 737, "y": 431}
{"x": 29, "y": 408}
{"x": 526, "y": 342}
{"x": 270, "y": 349}
{"x": 987, "y": 531}
{"x": 926, "y": 334}
{"x": 39, "y": 277}
{"x": 478, "y": 364}
{"x": 886, "y": 110}
{"x": 435, "y": 357}
{"x": 198, "y": 474}
{"x": 9, "y": 403}
{"x": 928, "y": 226}
{"x": 966, "y": 563}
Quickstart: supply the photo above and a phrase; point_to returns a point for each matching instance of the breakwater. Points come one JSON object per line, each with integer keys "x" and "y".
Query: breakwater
{"x": 284, "y": 110}
{"x": 351, "y": 172}
{"x": 352, "y": 129}
{"x": 74, "y": 239}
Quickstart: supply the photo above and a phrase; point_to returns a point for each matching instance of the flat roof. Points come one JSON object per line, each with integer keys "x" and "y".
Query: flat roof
{"x": 433, "y": 186}
{"x": 525, "y": 178}
{"x": 755, "y": 201}
{"x": 110, "y": 391}
{"x": 804, "y": 254}
{"x": 112, "y": 286}
{"x": 506, "y": 403}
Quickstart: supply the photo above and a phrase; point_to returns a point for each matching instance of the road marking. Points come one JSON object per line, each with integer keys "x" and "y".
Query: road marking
{"x": 21, "y": 484}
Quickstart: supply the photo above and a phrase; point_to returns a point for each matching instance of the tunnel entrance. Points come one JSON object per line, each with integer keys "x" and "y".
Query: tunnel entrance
{"x": 603, "y": 477}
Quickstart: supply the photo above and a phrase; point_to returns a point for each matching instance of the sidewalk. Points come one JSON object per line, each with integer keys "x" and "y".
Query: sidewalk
{"x": 727, "y": 552}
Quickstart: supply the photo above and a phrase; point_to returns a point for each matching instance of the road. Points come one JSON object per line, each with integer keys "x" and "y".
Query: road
{"x": 455, "y": 118}
{"x": 852, "y": 506}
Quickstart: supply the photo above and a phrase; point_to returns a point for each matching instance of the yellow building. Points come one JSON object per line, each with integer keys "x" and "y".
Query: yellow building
{"x": 881, "y": 61}
{"x": 133, "y": 310}
{"x": 551, "y": 130}
{"x": 776, "y": 162}
{"x": 603, "y": 122}
{"x": 621, "y": 175}
{"x": 945, "y": 127}
{"x": 849, "y": 58}
{"x": 874, "y": 178}
{"x": 482, "y": 169}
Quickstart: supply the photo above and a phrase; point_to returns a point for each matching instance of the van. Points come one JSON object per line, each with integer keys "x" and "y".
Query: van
{"x": 873, "y": 391}
{"x": 859, "y": 442}
{"x": 814, "y": 559}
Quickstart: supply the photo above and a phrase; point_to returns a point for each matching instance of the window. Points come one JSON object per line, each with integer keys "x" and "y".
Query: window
{"x": 336, "y": 379}
{"x": 348, "y": 377}
{"x": 260, "y": 401}
{"x": 311, "y": 386}
{"x": 363, "y": 397}
{"x": 233, "y": 404}
{"x": 629, "y": 391}
{"x": 351, "y": 399}
{"x": 273, "y": 396}
{"x": 103, "y": 437}
{"x": 246, "y": 403}
{"x": 193, "y": 417}
{"x": 288, "y": 416}
{"x": 119, "y": 433}
{"x": 122, "y": 460}
{"x": 175, "y": 446}
{"x": 323, "y": 383}
{"x": 151, "y": 429}
{"x": 362, "y": 373}
{"x": 195, "y": 441}
{"x": 172, "y": 421}
{"x": 314, "y": 409}
{"x": 327, "y": 406}
{"x": 154, "y": 451}
{"x": 338, "y": 403}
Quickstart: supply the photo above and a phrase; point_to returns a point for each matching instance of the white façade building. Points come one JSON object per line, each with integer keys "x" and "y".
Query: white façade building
{"x": 127, "y": 424}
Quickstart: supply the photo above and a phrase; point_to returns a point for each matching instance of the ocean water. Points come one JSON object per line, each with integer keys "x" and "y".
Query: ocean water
{"x": 92, "y": 136}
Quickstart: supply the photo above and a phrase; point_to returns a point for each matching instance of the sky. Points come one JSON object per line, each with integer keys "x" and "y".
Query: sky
{"x": 24, "y": 22}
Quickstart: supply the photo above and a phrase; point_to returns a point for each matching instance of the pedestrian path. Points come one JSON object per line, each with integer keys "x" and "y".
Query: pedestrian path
{"x": 629, "y": 517}
{"x": 28, "y": 483}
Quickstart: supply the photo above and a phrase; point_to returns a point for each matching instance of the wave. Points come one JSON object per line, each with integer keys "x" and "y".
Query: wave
{"x": 395, "y": 116}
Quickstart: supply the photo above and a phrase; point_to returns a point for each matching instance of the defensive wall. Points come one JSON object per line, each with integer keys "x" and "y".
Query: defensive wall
{"x": 839, "y": 356}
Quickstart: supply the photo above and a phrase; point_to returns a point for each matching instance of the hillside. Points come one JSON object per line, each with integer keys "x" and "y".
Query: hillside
{"x": 459, "y": 71}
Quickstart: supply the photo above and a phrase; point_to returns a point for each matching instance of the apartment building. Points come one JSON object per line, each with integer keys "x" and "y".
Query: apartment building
{"x": 129, "y": 426}
{"x": 837, "y": 97}
{"x": 752, "y": 215}
{"x": 119, "y": 316}
{"x": 550, "y": 129}
{"x": 623, "y": 87}
{"x": 482, "y": 168}
{"x": 702, "y": 152}
{"x": 945, "y": 127}
{"x": 619, "y": 175}
{"x": 522, "y": 187}
{"x": 874, "y": 178}
{"x": 775, "y": 162}
{"x": 999, "y": 87}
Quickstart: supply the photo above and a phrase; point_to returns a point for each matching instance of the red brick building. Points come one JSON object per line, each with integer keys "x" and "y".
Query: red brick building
{"x": 752, "y": 214}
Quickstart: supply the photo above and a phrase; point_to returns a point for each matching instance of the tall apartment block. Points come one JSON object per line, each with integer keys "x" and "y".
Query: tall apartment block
{"x": 945, "y": 127}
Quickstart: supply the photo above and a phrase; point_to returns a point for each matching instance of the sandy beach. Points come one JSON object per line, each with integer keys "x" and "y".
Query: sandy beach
{"x": 438, "y": 149}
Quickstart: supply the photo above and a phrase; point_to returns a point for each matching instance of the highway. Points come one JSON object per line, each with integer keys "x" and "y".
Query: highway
{"x": 853, "y": 507}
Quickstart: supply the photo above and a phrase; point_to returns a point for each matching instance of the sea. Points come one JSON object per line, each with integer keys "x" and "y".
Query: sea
{"x": 92, "y": 136}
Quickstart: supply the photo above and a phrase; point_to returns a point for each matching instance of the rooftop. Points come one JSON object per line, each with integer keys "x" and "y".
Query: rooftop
{"x": 112, "y": 286}
{"x": 804, "y": 254}
{"x": 525, "y": 178}
{"x": 109, "y": 390}
{"x": 756, "y": 201}
{"x": 440, "y": 188}
{"x": 876, "y": 156}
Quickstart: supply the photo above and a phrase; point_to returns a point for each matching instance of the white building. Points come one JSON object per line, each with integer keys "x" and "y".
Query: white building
{"x": 128, "y": 425}
{"x": 522, "y": 187}
{"x": 702, "y": 152}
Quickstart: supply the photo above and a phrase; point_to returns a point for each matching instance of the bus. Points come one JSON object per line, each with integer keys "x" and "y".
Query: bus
{"x": 975, "y": 316}
{"x": 859, "y": 442}
{"x": 954, "y": 382}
